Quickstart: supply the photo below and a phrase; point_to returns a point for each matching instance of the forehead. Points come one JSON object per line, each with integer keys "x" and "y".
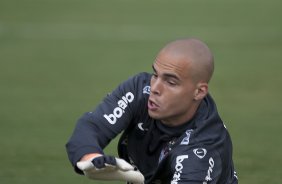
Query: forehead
{"x": 177, "y": 65}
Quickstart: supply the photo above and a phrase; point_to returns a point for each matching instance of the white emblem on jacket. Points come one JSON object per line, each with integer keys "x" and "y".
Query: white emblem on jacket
{"x": 120, "y": 110}
{"x": 186, "y": 139}
{"x": 178, "y": 168}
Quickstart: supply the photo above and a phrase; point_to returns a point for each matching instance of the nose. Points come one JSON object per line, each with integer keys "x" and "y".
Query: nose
{"x": 156, "y": 86}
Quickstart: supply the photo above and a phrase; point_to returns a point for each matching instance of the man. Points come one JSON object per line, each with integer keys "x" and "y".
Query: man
{"x": 172, "y": 130}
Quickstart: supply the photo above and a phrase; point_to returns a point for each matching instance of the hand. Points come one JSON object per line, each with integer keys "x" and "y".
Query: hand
{"x": 103, "y": 167}
{"x": 90, "y": 156}
{"x": 104, "y": 162}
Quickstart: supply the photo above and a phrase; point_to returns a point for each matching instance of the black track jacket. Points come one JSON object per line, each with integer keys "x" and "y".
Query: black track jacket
{"x": 197, "y": 152}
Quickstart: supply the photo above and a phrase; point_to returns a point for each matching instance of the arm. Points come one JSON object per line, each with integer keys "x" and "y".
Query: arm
{"x": 94, "y": 130}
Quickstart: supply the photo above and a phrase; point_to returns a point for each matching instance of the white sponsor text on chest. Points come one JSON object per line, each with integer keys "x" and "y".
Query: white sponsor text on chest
{"x": 120, "y": 109}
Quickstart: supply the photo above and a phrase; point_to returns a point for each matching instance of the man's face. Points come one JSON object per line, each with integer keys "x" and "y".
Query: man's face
{"x": 172, "y": 90}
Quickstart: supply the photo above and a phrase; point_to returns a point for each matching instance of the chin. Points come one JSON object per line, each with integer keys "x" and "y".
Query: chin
{"x": 154, "y": 115}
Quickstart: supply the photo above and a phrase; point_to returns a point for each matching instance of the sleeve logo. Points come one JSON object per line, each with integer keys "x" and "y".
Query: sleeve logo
{"x": 147, "y": 90}
{"x": 120, "y": 110}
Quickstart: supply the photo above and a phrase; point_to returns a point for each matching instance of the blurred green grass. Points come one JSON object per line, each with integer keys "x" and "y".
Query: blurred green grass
{"x": 59, "y": 58}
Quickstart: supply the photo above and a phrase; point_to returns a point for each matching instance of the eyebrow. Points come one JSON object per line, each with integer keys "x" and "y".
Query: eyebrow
{"x": 167, "y": 75}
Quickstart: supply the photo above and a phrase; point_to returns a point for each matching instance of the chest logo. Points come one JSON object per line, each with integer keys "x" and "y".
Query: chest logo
{"x": 178, "y": 168}
{"x": 200, "y": 152}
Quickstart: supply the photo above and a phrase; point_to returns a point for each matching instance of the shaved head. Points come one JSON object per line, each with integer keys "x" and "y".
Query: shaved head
{"x": 179, "y": 83}
{"x": 196, "y": 54}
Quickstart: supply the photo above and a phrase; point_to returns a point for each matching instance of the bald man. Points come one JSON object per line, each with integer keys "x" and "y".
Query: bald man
{"x": 172, "y": 132}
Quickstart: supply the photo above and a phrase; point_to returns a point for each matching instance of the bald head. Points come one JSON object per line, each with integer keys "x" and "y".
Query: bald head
{"x": 196, "y": 54}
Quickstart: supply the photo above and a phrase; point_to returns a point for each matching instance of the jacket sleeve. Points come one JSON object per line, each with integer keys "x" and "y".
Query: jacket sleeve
{"x": 197, "y": 166}
{"x": 94, "y": 130}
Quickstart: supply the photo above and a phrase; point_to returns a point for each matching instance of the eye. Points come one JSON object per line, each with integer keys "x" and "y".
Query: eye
{"x": 171, "y": 83}
{"x": 154, "y": 75}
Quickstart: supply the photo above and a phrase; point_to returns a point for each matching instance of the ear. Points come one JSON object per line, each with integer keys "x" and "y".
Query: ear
{"x": 201, "y": 91}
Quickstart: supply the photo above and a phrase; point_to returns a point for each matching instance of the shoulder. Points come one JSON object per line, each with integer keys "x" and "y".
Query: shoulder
{"x": 138, "y": 84}
{"x": 140, "y": 78}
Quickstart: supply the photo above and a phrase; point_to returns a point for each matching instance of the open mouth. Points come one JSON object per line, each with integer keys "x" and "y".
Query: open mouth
{"x": 152, "y": 105}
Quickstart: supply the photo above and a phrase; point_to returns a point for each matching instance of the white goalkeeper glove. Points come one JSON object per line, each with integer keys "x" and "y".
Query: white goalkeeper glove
{"x": 104, "y": 167}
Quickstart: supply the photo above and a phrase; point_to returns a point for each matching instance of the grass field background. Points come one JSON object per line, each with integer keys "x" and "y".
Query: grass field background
{"x": 58, "y": 58}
